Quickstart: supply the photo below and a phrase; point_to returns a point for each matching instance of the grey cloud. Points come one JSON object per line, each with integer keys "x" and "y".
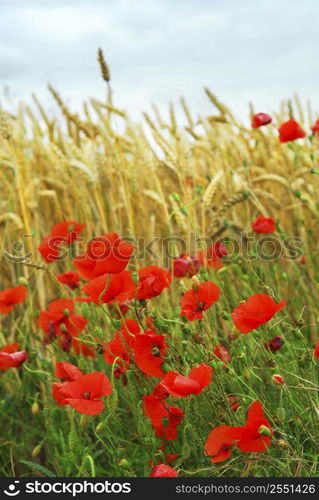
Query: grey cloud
{"x": 158, "y": 49}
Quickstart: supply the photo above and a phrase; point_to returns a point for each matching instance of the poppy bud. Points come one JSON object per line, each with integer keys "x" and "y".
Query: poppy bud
{"x": 284, "y": 276}
{"x": 83, "y": 421}
{"x": 225, "y": 316}
{"x": 165, "y": 367}
{"x": 205, "y": 276}
{"x": 176, "y": 197}
{"x": 275, "y": 343}
{"x": 66, "y": 312}
{"x": 264, "y": 431}
{"x": 63, "y": 327}
{"x": 281, "y": 414}
{"x": 23, "y": 281}
{"x": 246, "y": 374}
{"x": 277, "y": 379}
{"x": 99, "y": 428}
{"x": 37, "y": 450}
{"x": 113, "y": 401}
{"x": 35, "y": 408}
{"x": 195, "y": 283}
{"x": 117, "y": 323}
{"x": 198, "y": 338}
{"x": 71, "y": 227}
{"x": 135, "y": 277}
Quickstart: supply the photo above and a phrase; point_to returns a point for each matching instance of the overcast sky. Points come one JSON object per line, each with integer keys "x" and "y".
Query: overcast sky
{"x": 244, "y": 50}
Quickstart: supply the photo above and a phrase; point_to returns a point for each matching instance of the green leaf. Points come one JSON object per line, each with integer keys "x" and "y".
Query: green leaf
{"x": 38, "y": 467}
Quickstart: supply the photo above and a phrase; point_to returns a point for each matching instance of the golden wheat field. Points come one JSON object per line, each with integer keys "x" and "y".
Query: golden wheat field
{"x": 167, "y": 186}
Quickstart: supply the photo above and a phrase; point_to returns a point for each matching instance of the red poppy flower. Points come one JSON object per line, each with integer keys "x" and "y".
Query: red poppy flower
{"x": 255, "y": 435}
{"x": 67, "y": 371}
{"x": 64, "y": 371}
{"x": 10, "y": 357}
{"x": 221, "y": 352}
{"x": 81, "y": 347}
{"x": 50, "y": 249}
{"x": 55, "y": 391}
{"x": 10, "y": 297}
{"x": 61, "y": 312}
{"x": 275, "y": 343}
{"x": 214, "y": 254}
{"x": 174, "y": 417}
{"x": 256, "y": 311}
{"x": 157, "y": 410}
{"x": 163, "y": 470}
{"x": 260, "y": 119}
{"x": 149, "y": 351}
{"x": 121, "y": 345}
{"x": 234, "y": 402}
{"x": 315, "y": 127}
{"x": 316, "y": 351}
{"x": 290, "y": 131}
{"x": 154, "y": 409}
{"x": 195, "y": 303}
{"x": 107, "y": 254}
{"x": 63, "y": 233}
{"x": 178, "y": 385}
{"x": 109, "y": 288}
{"x": 219, "y": 443}
{"x": 85, "y": 393}
{"x": 70, "y": 278}
{"x": 152, "y": 281}
{"x": 68, "y": 230}
{"x": 169, "y": 458}
{"x": 185, "y": 265}
{"x": 264, "y": 225}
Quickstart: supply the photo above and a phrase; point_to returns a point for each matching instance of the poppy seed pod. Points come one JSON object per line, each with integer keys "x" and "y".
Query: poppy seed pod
{"x": 263, "y": 430}
{"x": 84, "y": 420}
{"x": 195, "y": 283}
{"x": 100, "y": 427}
{"x": 23, "y": 281}
{"x": 282, "y": 443}
{"x": 35, "y": 408}
{"x": 36, "y": 450}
